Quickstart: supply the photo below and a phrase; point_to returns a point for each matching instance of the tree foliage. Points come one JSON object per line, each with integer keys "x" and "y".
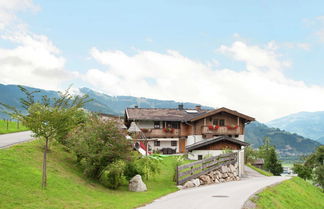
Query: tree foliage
{"x": 98, "y": 144}
{"x": 49, "y": 118}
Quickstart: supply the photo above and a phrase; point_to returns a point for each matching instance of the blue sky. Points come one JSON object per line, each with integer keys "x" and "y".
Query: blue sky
{"x": 192, "y": 28}
{"x": 274, "y": 46}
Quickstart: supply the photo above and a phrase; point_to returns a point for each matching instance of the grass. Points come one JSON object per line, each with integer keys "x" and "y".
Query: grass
{"x": 263, "y": 172}
{"x": 291, "y": 194}
{"x": 20, "y": 177}
{"x": 12, "y": 127}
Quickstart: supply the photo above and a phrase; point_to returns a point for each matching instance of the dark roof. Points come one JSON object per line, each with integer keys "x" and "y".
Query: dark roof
{"x": 223, "y": 109}
{"x": 258, "y": 162}
{"x": 214, "y": 140}
{"x": 161, "y": 114}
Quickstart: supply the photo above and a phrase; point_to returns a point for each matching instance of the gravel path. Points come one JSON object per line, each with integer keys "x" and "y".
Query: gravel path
{"x": 229, "y": 195}
{"x": 7, "y": 140}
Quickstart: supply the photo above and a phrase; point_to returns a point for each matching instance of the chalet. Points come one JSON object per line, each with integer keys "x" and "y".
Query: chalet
{"x": 196, "y": 131}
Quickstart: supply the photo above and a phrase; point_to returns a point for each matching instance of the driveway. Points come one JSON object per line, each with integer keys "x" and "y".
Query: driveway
{"x": 229, "y": 195}
{"x": 14, "y": 138}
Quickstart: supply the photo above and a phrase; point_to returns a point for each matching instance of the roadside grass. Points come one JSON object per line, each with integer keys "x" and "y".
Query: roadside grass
{"x": 20, "y": 177}
{"x": 12, "y": 127}
{"x": 263, "y": 172}
{"x": 291, "y": 194}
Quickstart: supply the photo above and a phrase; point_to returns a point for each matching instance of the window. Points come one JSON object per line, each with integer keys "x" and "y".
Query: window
{"x": 156, "y": 143}
{"x": 236, "y": 136}
{"x": 171, "y": 124}
{"x": 156, "y": 124}
{"x": 173, "y": 143}
{"x": 200, "y": 157}
{"x": 222, "y": 122}
{"x": 215, "y": 122}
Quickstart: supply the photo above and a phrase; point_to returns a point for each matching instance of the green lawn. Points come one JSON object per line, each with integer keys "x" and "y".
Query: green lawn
{"x": 20, "y": 177}
{"x": 291, "y": 194}
{"x": 12, "y": 127}
{"x": 263, "y": 172}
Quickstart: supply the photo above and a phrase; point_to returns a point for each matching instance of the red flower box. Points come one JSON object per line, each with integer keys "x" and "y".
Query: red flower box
{"x": 210, "y": 127}
{"x": 232, "y": 127}
{"x": 216, "y": 127}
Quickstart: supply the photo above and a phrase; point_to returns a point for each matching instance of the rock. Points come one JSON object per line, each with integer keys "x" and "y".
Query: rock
{"x": 216, "y": 181}
{"x": 232, "y": 168}
{"x": 188, "y": 184}
{"x": 180, "y": 187}
{"x": 223, "y": 169}
{"x": 224, "y": 175}
{"x": 196, "y": 182}
{"x": 136, "y": 184}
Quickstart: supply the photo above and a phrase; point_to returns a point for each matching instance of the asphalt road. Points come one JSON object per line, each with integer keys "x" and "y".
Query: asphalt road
{"x": 7, "y": 140}
{"x": 229, "y": 195}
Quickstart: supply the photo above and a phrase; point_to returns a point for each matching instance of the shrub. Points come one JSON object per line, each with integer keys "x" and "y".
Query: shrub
{"x": 113, "y": 176}
{"x": 303, "y": 171}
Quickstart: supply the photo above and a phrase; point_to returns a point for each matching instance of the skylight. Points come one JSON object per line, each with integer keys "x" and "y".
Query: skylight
{"x": 191, "y": 111}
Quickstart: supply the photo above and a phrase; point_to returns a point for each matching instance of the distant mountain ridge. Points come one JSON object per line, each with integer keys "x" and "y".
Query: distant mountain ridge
{"x": 307, "y": 124}
{"x": 103, "y": 103}
{"x": 288, "y": 144}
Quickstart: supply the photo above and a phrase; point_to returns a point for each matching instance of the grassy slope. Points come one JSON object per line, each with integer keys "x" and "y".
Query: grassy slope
{"x": 12, "y": 127}
{"x": 263, "y": 172}
{"x": 20, "y": 175}
{"x": 291, "y": 194}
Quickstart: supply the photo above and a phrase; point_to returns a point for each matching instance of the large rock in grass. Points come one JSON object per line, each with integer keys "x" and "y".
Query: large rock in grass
{"x": 136, "y": 184}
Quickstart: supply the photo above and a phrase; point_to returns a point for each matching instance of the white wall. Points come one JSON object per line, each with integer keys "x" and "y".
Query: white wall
{"x": 193, "y": 139}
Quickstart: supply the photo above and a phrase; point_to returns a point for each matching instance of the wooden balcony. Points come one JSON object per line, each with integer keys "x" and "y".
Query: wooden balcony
{"x": 163, "y": 133}
{"x": 222, "y": 130}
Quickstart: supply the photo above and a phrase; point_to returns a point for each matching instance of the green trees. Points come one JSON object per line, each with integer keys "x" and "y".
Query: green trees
{"x": 49, "y": 118}
{"x": 313, "y": 167}
{"x": 268, "y": 153}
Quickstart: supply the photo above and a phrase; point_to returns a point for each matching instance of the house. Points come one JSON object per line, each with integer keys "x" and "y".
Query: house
{"x": 258, "y": 163}
{"x": 196, "y": 131}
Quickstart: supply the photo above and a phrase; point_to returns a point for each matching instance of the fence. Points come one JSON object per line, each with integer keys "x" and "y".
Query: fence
{"x": 193, "y": 170}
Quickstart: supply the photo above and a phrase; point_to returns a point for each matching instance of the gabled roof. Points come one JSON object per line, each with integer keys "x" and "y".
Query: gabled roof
{"x": 214, "y": 140}
{"x": 223, "y": 109}
{"x": 162, "y": 114}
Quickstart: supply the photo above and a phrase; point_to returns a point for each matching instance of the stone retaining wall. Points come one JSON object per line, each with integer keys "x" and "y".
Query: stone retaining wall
{"x": 224, "y": 174}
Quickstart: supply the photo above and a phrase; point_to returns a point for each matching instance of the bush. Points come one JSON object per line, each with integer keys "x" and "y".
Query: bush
{"x": 113, "y": 176}
{"x": 97, "y": 144}
{"x": 302, "y": 171}
{"x": 146, "y": 166}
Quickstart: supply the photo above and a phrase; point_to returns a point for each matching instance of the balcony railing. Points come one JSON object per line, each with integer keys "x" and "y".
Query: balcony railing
{"x": 222, "y": 130}
{"x": 168, "y": 132}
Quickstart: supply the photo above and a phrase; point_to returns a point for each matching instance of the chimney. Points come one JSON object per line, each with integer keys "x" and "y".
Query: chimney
{"x": 136, "y": 106}
{"x": 180, "y": 106}
{"x": 198, "y": 107}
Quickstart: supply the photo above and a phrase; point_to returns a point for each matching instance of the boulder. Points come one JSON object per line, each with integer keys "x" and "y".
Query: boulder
{"x": 232, "y": 168}
{"x": 196, "y": 182}
{"x": 136, "y": 184}
{"x": 223, "y": 169}
{"x": 188, "y": 184}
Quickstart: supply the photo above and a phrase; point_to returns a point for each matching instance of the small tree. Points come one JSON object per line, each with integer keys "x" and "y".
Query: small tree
{"x": 48, "y": 118}
{"x": 272, "y": 163}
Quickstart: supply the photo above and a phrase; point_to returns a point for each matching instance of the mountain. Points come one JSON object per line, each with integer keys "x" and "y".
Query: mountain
{"x": 307, "y": 124}
{"x": 288, "y": 144}
{"x": 103, "y": 103}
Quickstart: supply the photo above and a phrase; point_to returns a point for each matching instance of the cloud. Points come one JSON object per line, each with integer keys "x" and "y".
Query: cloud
{"x": 34, "y": 62}
{"x": 261, "y": 90}
{"x": 9, "y": 8}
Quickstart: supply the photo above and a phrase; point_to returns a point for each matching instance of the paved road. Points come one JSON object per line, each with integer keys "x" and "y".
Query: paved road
{"x": 229, "y": 195}
{"x": 14, "y": 138}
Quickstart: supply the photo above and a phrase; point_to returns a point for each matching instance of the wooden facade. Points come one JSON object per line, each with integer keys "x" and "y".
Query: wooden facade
{"x": 221, "y": 146}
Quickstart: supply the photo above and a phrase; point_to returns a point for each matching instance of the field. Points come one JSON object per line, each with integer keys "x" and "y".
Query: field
{"x": 293, "y": 193}
{"x": 20, "y": 177}
{"x": 10, "y": 127}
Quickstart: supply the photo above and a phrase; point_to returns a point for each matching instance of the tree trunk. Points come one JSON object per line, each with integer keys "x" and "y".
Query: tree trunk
{"x": 44, "y": 176}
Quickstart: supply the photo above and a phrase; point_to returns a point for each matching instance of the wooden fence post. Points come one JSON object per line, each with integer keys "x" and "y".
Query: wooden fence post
{"x": 177, "y": 175}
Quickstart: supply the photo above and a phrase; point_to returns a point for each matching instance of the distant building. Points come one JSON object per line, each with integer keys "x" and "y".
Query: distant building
{"x": 196, "y": 131}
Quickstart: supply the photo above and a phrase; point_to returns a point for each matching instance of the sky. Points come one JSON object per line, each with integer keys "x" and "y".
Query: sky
{"x": 262, "y": 58}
